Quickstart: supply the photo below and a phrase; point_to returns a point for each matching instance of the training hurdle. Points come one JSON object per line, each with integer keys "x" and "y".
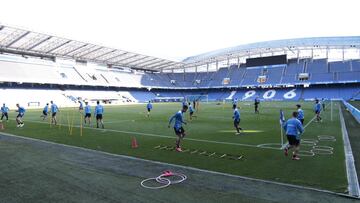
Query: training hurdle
{"x": 202, "y": 153}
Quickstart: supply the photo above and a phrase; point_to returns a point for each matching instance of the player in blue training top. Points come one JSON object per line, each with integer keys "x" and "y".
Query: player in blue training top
{"x": 21, "y": 113}
{"x": 87, "y": 112}
{"x": 293, "y": 129}
{"x": 45, "y": 111}
{"x": 183, "y": 102}
{"x": 81, "y": 106}
{"x": 179, "y": 130}
{"x": 99, "y": 111}
{"x": 317, "y": 109}
{"x": 191, "y": 111}
{"x": 300, "y": 114}
{"x": 54, "y": 109}
{"x": 256, "y": 103}
{"x": 149, "y": 107}
{"x": 235, "y": 102}
{"x": 236, "y": 118}
{"x": 5, "y": 111}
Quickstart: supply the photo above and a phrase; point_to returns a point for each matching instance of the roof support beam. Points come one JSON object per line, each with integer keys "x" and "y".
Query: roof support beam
{"x": 133, "y": 56}
{"x": 109, "y": 52}
{"x": 90, "y": 52}
{"x": 114, "y": 57}
{"x": 37, "y": 44}
{"x": 146, "y": 61}
{"x": 26, "y": 53}
{"x": 166, "y": 64}
{"x": 73, "y": 50}
{"x": 136, "y": 60}
{"x": 17, "y": 39}
{"x": 67, "y": 42}
{"x": 157, "y": 62}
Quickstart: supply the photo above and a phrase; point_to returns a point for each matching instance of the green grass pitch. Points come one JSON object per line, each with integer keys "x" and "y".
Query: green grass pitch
{"x": 212, "y": 131}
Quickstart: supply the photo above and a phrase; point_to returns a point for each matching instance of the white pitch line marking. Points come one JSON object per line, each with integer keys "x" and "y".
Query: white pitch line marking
{"x": 180, "y": 166}
{"x": 162, "y": 136}
{"x": 119, "y": 121}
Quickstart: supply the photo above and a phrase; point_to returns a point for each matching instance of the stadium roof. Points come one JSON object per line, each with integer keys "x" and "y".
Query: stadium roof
{"x": 20, "y": 41}
{"x": 24, "y": 42}
{"x": 287, "y": 45}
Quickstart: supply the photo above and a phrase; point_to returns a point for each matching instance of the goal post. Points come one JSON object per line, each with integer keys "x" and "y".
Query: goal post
{"x": 197, "y": 97}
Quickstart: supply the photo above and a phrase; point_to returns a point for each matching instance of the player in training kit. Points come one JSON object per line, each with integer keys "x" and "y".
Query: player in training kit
{"x": 293, "y": 129}
{"x": 236, "y": 118}
{"x": 183, "y": 102}
{"x": 54, "y": 109}
{"x": 256, "y": 103}
{"x": 81, "y": 106}
{"x": 21, "y": 113}
{"x": 300, "y": 114}
{"x": 191, "y": 111}
{"x": 87, "y": 112}
{"x": 45, "y": 111}
{"x": 323, "y": 104}
{"x": 197, "y": 105}
{"x": 5, "y": 111}
{"x": 235, "y": 101}
{"x": 99, "y": 111}
{"x": 179, "y": 130}
{"x": 149, "y": 107}
{"x": 317, "y": 109}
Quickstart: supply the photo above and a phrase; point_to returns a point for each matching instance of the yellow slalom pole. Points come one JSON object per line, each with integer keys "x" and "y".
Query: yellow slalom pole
{"x": 81, "y": 125}
{"x": 59, "y": 121}
{"x": 72, "y": 121}
{"x": 50, "y": 118}
{"x": 68, "y": 119}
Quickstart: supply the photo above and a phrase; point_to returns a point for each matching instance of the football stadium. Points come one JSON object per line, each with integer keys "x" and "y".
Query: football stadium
{"x": 274, "y": 120}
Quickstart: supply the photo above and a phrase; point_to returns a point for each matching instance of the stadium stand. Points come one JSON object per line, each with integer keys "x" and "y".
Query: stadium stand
{"x": 71, "y": 71}
{"x": 43, "y": 72}
{"x": 37, "y": 98}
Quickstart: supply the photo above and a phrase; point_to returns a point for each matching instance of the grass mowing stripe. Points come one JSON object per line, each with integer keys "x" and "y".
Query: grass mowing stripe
{"x": 262, "y": 164}
{"x": 171, "y": 137}
{"x": 119, "y": 121}
{"x": 156, "y": 135}
{"x": 183, "y": 167}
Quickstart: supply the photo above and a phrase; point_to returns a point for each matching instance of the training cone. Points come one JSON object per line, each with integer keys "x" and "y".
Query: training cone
{"x": 167, "y": 173}
{"x": 134, "y": 143}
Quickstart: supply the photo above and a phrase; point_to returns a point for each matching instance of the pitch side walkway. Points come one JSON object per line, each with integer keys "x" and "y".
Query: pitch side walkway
{"x": 38, "y": 171}
{"x": 353, "y": 128}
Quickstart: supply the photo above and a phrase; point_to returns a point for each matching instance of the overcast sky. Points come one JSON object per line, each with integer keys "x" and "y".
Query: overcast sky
{"x": 175, "y": 29}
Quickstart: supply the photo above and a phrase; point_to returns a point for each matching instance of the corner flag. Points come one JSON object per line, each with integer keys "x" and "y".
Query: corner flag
{"x": 282, "y": 121}
{"x": 282, "y": 117}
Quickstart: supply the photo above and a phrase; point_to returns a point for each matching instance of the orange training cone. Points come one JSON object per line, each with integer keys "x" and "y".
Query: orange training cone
{"x": 134, "y": 143}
